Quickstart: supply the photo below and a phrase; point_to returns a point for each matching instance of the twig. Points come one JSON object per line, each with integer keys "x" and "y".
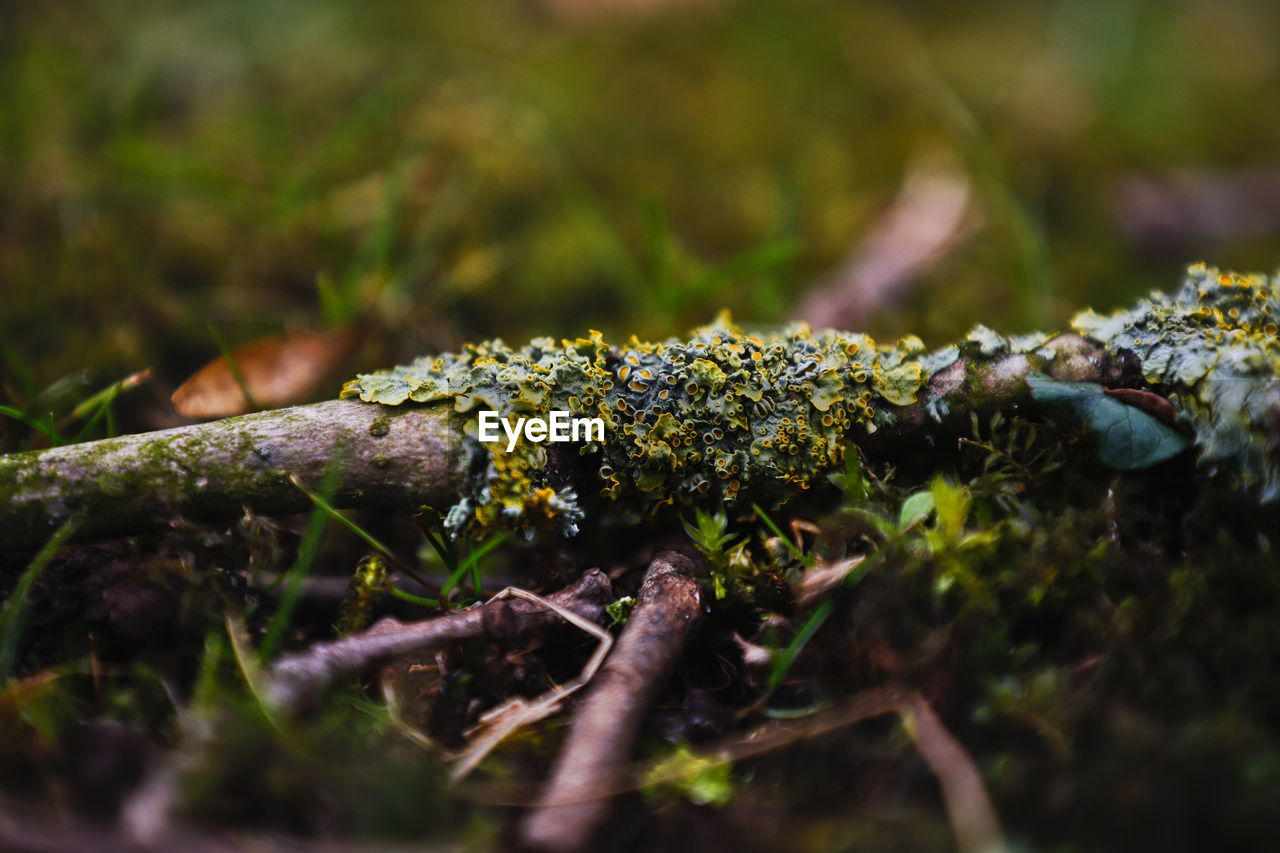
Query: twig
{"x": 148, "y": 813}
{"x": 973, "y": 819}
{"x": 969, "y": 809}
{"x": 401, "y": 456}
{"x": 984, "y": 384}
{"x": 295, "y": 680}
{"x": 604, "y": 730}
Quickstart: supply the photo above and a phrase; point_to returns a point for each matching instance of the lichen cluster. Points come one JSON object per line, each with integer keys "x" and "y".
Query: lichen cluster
{"x": 1213, "y": 348}
{"x": 731, "y": 417}
{"x": 722, "y": 416}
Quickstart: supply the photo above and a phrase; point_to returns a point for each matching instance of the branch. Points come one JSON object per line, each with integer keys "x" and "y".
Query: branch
{"x": 983, "y": 384}
{"x": 394, "y": 456}
{"x": 297, "y": 678}
{"x": 604, "y": 729}
{"x": 390, "y": 456}
{"x": 736, "y": 415}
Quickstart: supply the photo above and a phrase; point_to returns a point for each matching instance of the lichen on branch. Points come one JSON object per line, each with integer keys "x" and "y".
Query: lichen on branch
{"x": 722, "y": 416}
{"x": 1213, "y": 348}
{"x": 732, "y": 416}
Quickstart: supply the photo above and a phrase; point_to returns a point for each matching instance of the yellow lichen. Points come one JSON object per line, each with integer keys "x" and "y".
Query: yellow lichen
{"x": 722, "y": 416}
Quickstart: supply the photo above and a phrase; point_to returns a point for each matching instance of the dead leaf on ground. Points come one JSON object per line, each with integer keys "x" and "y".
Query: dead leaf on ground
{"x": 280, "y": 370}
{"x": 823, "y": 577}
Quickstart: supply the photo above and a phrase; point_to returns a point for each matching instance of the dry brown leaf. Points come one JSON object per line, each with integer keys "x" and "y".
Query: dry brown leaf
{"x": 823, "y": 577}
{"x": 277, "y": 371}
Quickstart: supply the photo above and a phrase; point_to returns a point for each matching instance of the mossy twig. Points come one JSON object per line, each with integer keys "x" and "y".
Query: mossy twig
{"x": 404, "y": 457}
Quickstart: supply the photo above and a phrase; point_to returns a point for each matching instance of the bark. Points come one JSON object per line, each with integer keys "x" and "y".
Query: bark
{"x": 403, "y": 456}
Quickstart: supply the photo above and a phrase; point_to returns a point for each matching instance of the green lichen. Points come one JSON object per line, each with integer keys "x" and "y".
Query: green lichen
{"x": 722, "y": 417}
{"x": 1213, "y": 348}
{"x": 727, "y": 417}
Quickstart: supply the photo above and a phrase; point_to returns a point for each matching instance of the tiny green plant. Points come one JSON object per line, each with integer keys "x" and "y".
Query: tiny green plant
{"x": 709, "y": 532}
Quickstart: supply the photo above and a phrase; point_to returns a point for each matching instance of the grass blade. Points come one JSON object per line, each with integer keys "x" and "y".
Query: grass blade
{"x": 14, "y": 610}
{"x": 471, "y": 564}
{"x": 307, "y": 549}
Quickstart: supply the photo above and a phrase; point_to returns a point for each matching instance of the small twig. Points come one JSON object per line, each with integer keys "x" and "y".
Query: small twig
{"x": 296, "y": 679}
{"x": 604, "y": 730}
{"x": 147, "y": 814}
{"x": 973, "y": 819}
{"x": 969, "y": 809}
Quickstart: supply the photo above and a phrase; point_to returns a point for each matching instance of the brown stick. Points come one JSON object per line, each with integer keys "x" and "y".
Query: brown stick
{"x": 973, "y": 818}
{"x": 294, "y": 680}
{"x": 402, "y": 456}
{"x": 604, "y": 728}
{"x": 148, "y": 812}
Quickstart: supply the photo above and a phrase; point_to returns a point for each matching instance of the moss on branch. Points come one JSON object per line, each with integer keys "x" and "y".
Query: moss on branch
{"x": 210, "y": 472}
{"x": 726, "y": 416}
{"x": 734, "y": 417}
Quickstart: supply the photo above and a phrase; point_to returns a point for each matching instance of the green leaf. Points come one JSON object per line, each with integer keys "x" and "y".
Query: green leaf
{"x": 915, "y": 509}
{"x": 620, "y": 610}
{"x": 1128, "y": 438}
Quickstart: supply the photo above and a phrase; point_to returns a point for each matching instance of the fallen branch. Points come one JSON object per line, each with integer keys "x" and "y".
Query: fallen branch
{"x": 737, "y": 415}
{"x": 973, "y": 819}
{"x": 604, "y": 729}
{"x": 295, "y": 680}
{"x": 395, "y": 457}
{"x": 980, "y": 384}
{"x": 517, "y": 712}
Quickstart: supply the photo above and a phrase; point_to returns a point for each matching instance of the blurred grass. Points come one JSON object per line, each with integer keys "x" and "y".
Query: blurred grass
{"x": 453, "y": 171}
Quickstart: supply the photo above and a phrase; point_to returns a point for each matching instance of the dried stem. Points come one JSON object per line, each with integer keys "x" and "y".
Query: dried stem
{"x": 969, "y": 809}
